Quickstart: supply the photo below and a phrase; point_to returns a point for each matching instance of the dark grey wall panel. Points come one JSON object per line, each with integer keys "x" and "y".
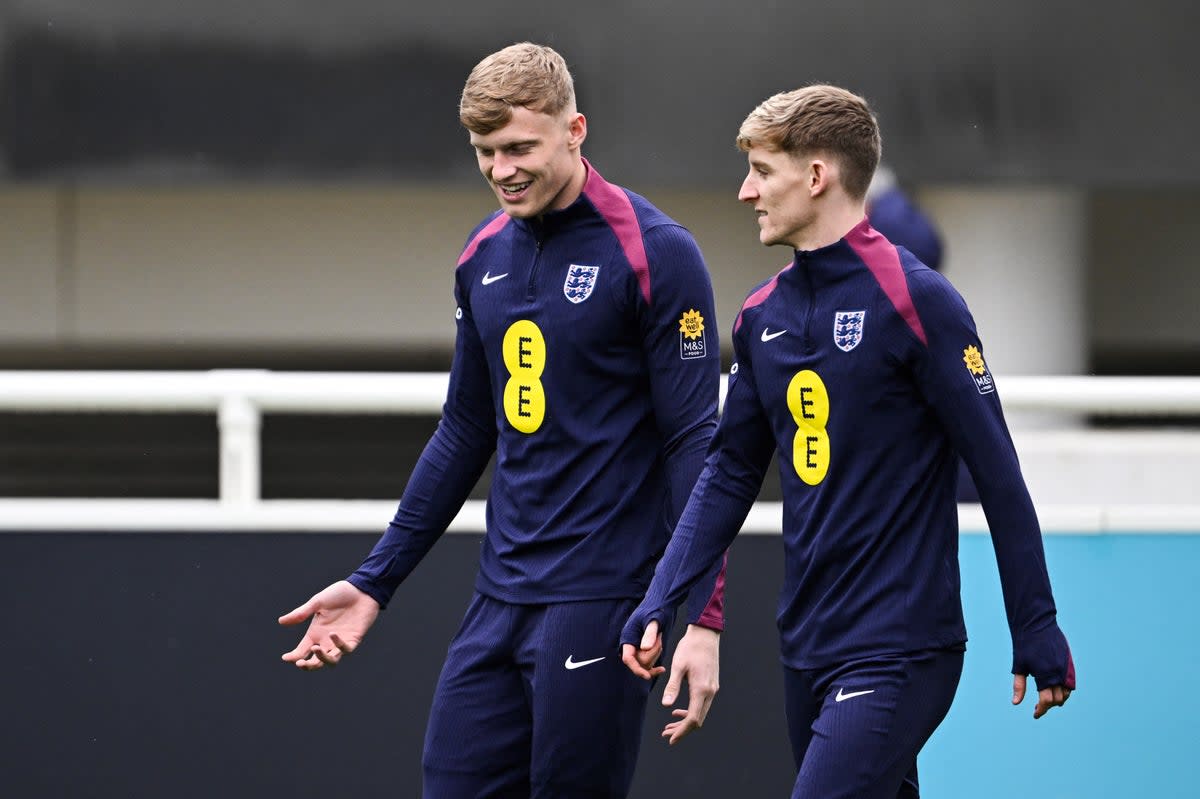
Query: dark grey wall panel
{"x": 1027, "y": 90}
{"x": 147, "y": 665}
{"x": 185, "y": 108}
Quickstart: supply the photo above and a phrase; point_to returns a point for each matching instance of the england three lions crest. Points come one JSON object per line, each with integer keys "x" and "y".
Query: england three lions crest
{"x": 580, "y": 282}
{"x": 848, "y": 329}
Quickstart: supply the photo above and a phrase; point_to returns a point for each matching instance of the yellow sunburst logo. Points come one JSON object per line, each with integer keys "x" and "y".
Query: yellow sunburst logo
{"x": 691, "y": 324}
{"x": 973, "y": 358}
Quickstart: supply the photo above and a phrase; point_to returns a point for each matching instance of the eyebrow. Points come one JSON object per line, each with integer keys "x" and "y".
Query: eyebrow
{"x": 507, "y": 145}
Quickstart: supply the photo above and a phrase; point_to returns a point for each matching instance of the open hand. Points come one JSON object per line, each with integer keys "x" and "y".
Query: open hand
{"x": 341, "y": 615}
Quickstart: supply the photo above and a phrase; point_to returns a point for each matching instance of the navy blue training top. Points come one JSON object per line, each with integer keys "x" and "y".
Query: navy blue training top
{"x": 862, "y": 368}
{"x": 586, "y": 357}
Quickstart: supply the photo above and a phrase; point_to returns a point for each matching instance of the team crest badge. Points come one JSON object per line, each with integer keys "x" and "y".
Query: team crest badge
{"x": 691, "y": 335}
{"x": 848, "y": 329}
{"x": 973, "y": 358}
{"x": 580, "y": 282}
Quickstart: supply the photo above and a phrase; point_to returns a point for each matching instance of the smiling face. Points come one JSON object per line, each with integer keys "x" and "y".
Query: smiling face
{"x": 782, "y": 188}
{"x": 533, "y": 163}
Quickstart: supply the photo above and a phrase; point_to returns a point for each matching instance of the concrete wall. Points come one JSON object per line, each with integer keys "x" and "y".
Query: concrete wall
{"x": 1056, "y": 278}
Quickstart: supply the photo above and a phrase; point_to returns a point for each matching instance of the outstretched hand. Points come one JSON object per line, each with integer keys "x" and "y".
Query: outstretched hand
{"x": 341, "y": 615}
{"x": 1052, "y": 696}
{"x": 641, "y": 659}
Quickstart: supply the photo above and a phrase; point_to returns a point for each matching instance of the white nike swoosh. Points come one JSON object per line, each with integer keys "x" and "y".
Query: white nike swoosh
{"x": 489, "y": 278}
{"x": 842, "y": 696}
{"x": 768, "y": 336}
{"x": 579, "y": 664}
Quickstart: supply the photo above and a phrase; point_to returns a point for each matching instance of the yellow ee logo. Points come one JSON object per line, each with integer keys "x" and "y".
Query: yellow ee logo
{"x": 524, "y": 350}
{"x": 808, "y": 400}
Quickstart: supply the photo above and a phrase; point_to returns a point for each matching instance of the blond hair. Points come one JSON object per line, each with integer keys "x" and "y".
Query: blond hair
{"x": 819, "y": 119}
{"x": 525, "y": 74}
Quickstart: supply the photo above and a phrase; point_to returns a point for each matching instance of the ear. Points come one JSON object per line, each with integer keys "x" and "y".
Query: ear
{"x": 821, "y": 176}
{"x": 576, "y": 130}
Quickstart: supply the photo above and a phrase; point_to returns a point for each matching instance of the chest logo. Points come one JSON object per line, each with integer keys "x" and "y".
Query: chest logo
{"x": 580, "y": 282}
{"x": 973, "y": 358}
{"x": 848, "y": 329}
{"x": 765, "y": 337}
{"x": 691, "y": 335}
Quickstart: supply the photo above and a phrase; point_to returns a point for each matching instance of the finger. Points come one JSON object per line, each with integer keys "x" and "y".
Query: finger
{"x": 682, "y": 732}
{"x": 642, "y": 662}
{"x": 630, "y": 659}
{"x": 650, "y": 636}
{"x": 650, "y": 649}
{"x": 648, "y": 657}
{"x": 671, "y": 692}
{"x": 346, "y": 647}
{"x": 1054, "y": 696}
{"x": 678, "y": 730}
{"x": 302, "y": 650}
{"x": 299, "y": 614}
{"x": 310, "y": 662}
{"x": 1018, "y": 689}
{"x": 1047, "y": 698}
{"x": 330, "y": 657}
{"x": 699, "y": 701}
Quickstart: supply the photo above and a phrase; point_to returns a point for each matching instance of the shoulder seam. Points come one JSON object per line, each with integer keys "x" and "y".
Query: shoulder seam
{"x": 884, "y": 263}
{"x": 615, "y": 207}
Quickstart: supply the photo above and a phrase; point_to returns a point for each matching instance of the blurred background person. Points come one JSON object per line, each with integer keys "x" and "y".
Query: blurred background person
{"x": 898, "y": 217}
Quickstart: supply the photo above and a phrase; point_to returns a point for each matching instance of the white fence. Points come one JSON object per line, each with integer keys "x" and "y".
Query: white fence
{"x": 238, "y": 398}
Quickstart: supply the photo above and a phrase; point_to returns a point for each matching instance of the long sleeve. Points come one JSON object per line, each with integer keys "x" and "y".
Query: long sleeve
{"x": 683, "y": 351}
{"x": 955, "y": 380}
{"x": 447, "y": 470}
{"x": 738, "y": 457}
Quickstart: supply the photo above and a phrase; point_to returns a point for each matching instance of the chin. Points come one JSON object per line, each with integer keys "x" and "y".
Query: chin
{"x": 522, "y": 210}
{"x": 516, "y": 210}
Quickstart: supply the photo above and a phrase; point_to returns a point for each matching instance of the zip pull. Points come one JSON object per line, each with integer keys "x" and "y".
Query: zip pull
{"x": 807, "y": 341}
{"x": 539, "y": 242}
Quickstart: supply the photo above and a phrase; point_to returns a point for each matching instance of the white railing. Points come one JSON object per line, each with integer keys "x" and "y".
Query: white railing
{"x": 238, "y": 398}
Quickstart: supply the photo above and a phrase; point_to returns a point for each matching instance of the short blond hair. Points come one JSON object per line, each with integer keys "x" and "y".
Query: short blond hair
{"x": 524, "y": 74}
{"x": 819, "y": 119}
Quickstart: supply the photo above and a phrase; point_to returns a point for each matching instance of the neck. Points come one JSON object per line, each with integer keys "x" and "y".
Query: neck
{"x": 830, "y": 225}
{"x": 570, "y": 192}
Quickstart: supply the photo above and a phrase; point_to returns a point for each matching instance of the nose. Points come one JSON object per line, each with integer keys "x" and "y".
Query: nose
{"x": 748, "y": 193}
{"x": 503, "y": 167}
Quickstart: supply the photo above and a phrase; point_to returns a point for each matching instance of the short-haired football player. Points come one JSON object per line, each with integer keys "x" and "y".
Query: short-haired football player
{"x": 587, "y": 359}
{"x": 862, "y": 368}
